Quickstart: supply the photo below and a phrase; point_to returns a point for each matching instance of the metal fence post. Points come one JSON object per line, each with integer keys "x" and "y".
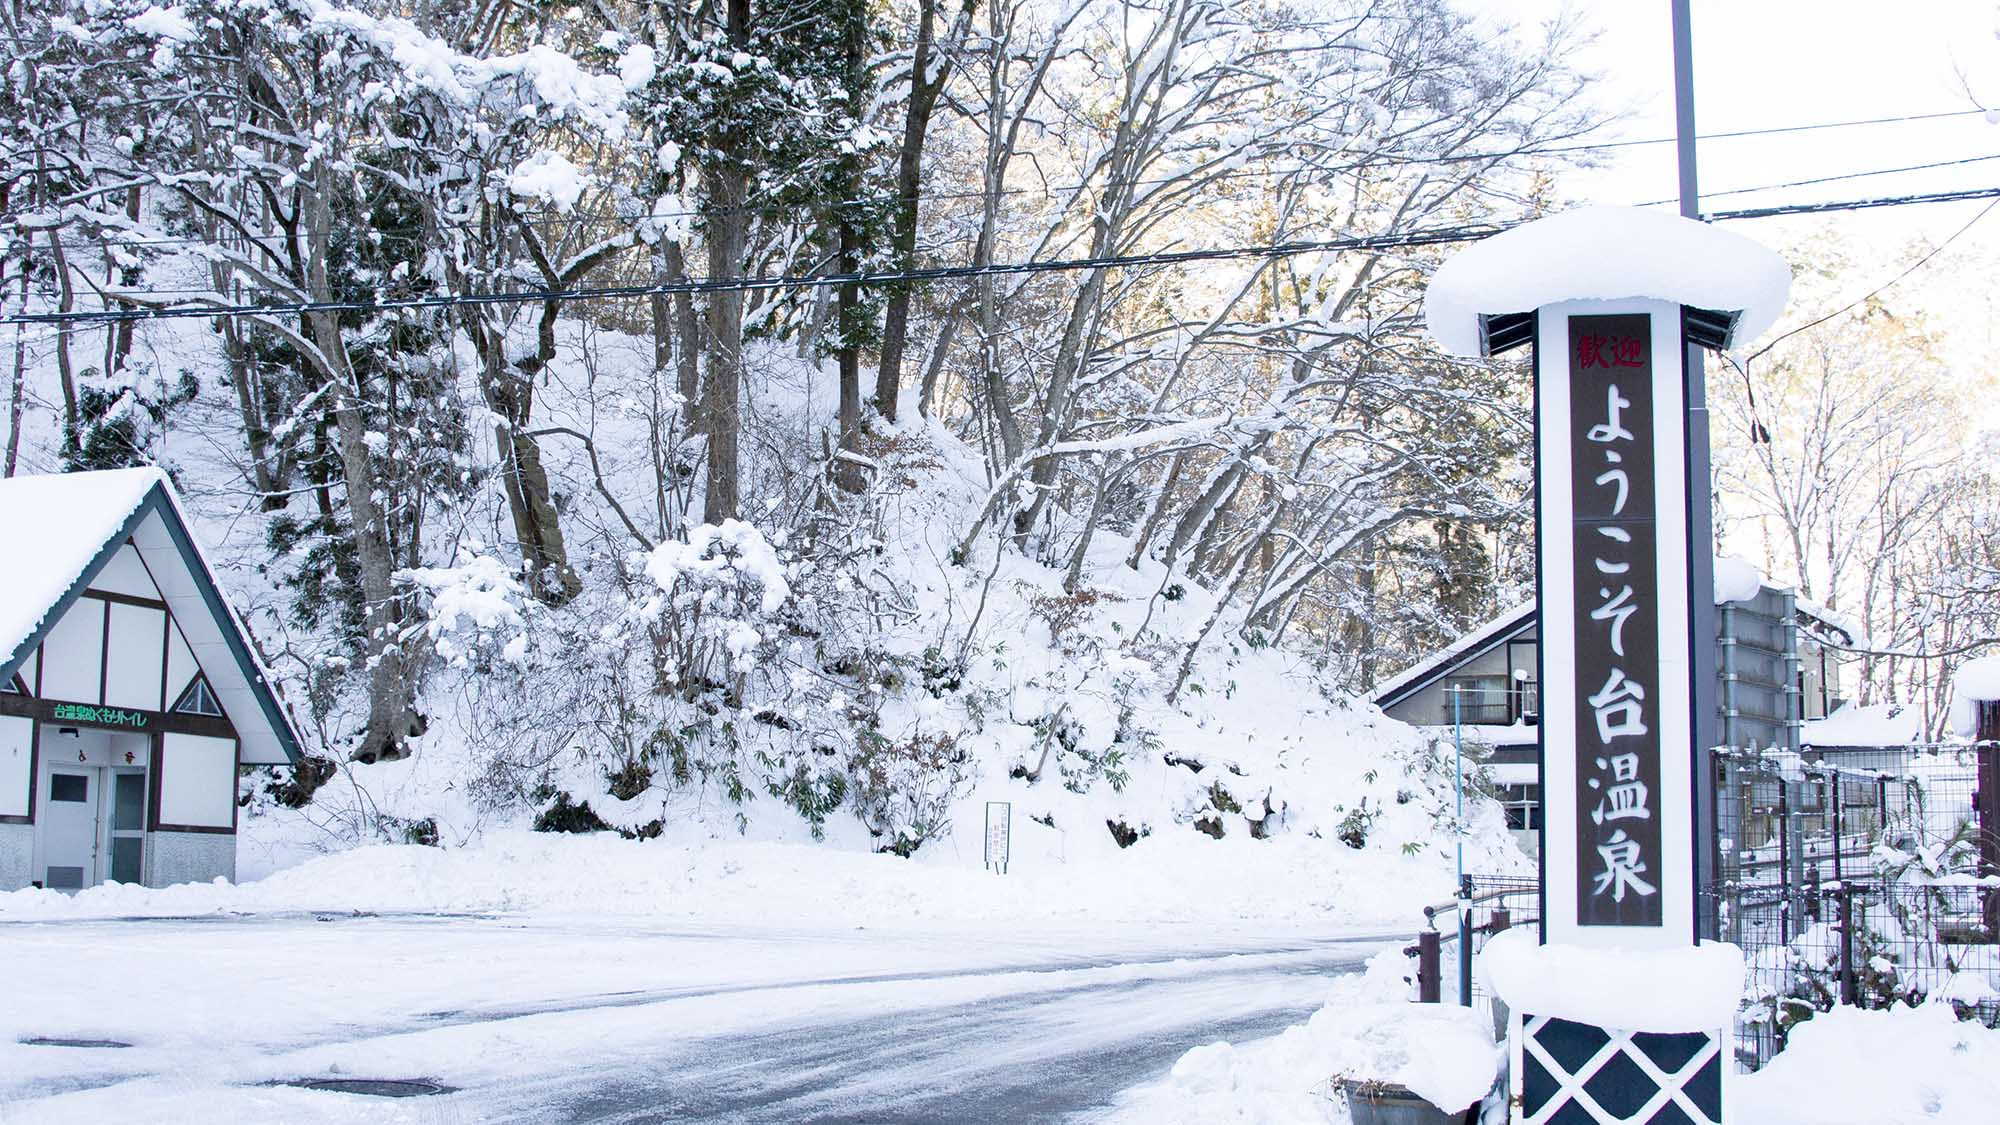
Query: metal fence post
{"x": 1428, "y": 982}
{"x": 1839, "y": 842}
{"x": 1465, "y": 954}
{"x": 1987, "y": 810}
{"x": 1847, "y": 984}
{"x": 1786, "y": 917}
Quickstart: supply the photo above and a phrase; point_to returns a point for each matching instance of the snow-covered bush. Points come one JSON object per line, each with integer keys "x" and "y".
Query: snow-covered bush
{"x": 474, "y": 611}
{"x": 713, "y": 617}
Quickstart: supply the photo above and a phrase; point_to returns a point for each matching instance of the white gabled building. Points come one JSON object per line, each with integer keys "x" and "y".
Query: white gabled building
{"x": 1776, "y": 677}
{"x": 130, "y": 694}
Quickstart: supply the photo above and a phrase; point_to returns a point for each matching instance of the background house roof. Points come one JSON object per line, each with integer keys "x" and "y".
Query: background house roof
{"x": 70, "y": 525}
{"x": 1735, "y": 581}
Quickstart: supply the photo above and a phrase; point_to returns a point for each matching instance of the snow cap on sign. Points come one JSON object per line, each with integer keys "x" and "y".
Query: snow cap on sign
{"x": 1606, "y": 253}
{"x": 1686, "y": 988}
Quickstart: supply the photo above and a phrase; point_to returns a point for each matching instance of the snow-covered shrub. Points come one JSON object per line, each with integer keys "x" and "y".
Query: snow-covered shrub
{"x": 713, "y": 617}
{"x": 904, "y": 789}
{"x": 473, "y": 612}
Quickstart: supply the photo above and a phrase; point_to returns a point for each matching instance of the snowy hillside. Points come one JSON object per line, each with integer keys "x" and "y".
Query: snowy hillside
{"x": 1106, "y": 545}
{"x": 874, "y": 703}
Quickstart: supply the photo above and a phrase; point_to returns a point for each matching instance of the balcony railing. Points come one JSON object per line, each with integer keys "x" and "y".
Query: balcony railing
{"x": 1492, "y": 707}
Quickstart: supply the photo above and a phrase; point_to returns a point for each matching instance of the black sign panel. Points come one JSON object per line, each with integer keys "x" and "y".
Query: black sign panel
{"x": 1615, "y": 572}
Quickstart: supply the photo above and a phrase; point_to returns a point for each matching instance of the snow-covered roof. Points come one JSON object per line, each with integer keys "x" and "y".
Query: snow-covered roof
{"x": 59, "y": 525}
{"x": 1976, "y": 681}
{"x": 67, "y": 528}
{"x": 1877, "y": 725}
{"x": 1475, "y": 642}
{"x": 1608, "y": 253}
{"x": 1735, "y": 581}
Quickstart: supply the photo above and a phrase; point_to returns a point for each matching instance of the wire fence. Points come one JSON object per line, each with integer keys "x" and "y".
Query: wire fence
{"x": 1868, "y": 878}
{"x": 1455, "y": 931}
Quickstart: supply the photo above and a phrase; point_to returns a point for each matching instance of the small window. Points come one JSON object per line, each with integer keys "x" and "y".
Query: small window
{"x": 128, "y": 804}
{"x": 198, "y": 700}
{"x": 126, "y": 852}
{"x": 69, "y": 787}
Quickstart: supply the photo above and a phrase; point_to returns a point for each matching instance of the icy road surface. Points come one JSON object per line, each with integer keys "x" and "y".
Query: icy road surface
{"x": 538, "y": 1019}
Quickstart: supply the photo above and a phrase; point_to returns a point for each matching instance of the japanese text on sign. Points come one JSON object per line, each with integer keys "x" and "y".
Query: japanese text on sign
{"x": 1616, "y": 621}
{"x": 106, "y": 716}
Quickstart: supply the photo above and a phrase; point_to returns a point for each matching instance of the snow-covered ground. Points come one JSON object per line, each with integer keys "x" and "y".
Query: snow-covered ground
{"x": 1847, "y": 1067}
{"x": 549, "y": 1018}
{"x": 1180, "y": 878}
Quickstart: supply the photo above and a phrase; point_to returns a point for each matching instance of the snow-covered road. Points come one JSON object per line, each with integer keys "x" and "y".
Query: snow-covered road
{"x": 552, "y": 1019}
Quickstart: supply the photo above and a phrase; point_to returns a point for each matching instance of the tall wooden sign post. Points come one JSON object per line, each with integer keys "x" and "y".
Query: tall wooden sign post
{"x": 1610, "y": 301}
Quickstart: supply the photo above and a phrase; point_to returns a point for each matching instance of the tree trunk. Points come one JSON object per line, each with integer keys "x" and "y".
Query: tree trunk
{"x": 848, "y": 324}
{"x": 510, "y": 393}
{"x": 256, "y": 433}
{"x": 727, "y": 224}
{"x": 72, "y": 429}
{"x": 20, "y": 385}
{"x": 924, "y": 90}
{"x": 389, "y": 688}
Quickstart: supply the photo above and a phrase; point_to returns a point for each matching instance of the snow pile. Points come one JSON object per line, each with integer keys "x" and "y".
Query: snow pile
{"x": 480, "y": 596}
{"x": 1878, "y": 724}
{"x": 1367, "y": 1031}
{"x": 163, "y": 23}
{"x": 1976, "y": 681}
{"x": 1609, "y": 253}
{"x": 1856, "y": 1067}
{"x": 1693, "y": 988}
{"x": 1182, "y": 877}
{"x": 71, "y": 517}
{"x": 731, "y": 555}
{"x": 1736, "y": 580}
{"x": 551, "y": 178}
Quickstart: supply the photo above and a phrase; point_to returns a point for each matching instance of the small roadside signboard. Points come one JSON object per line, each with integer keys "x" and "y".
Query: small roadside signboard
{"x": 999, "y": 835}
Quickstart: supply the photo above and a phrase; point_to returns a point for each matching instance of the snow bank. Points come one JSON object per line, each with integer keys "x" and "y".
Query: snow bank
{"x": 1180, "y": 877}
{"x": 1976, "y": 681}
{"x": 1606, "y": 252}
{"x": 1696, "y": 988}
{"x": 1855, "y": 1067}
{"x": 1879, "y": 724}
{"x": 1368, "y": 1030}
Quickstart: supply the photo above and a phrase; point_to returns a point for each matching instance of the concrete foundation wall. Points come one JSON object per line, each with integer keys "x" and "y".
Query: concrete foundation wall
{"x": 17, "y": 855}
{"x": 189, "y": 857}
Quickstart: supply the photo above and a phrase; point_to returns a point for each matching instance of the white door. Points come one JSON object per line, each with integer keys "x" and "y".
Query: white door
{"x": 68, "y": 816}
{"x": 124, "y": 820}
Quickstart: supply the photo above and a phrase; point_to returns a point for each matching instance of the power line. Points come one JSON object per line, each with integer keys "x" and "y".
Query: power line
{"x": 1431, "y": 237}
{"x": 1832, "y": 179}
{"x": 1230, "y": 174}
{"x": 1852, "y": 204}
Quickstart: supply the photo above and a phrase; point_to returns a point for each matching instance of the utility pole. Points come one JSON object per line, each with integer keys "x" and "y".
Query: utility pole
{"x": 1701, "y": 520}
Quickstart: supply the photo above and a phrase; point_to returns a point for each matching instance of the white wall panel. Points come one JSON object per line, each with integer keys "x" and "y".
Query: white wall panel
{"x": 73, "y": 654}
{"x": 125, "y": 574}
{"x": 17, "y": 757}
{"x": 197, "y": 781}
{"x": 181, "y": 666}
{"x": 138, "y": 645}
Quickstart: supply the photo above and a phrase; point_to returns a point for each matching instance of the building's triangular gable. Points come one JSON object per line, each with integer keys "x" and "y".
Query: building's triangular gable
{"x": 1473, "y": 645}
{"x": 156, "y": 527}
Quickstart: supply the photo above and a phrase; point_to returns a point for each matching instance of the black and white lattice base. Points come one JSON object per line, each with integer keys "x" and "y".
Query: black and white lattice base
{"x": 1569, "y": 1073}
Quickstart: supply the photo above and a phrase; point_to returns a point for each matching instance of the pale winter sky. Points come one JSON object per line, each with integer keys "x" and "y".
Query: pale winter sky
{"x": 1763, "y": 64}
